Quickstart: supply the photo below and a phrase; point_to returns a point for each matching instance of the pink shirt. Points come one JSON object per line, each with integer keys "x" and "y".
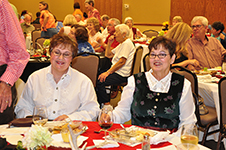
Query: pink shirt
{"x": 95, "y": 13}
{"x": 12, "y": 44}
{"x": 209, "y": 55}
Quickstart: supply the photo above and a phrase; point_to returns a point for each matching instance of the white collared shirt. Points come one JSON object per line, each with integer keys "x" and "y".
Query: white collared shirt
{"x": 73, "y": 95}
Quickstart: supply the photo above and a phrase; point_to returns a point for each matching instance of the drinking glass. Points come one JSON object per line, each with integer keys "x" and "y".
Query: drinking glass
{"x": 40, "y": 115}
{"x": 189, "y": 134}
{"x": 105, "y": 118}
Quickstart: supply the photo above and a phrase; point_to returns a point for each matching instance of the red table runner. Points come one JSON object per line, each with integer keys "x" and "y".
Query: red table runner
{"x": 93, "y": 126}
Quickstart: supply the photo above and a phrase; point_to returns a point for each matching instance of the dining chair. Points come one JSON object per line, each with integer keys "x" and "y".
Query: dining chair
{"x": 204, "y": 121}
{"x": 136, "y": 68}
{"x": 37, "y": 26}
{"x": 87, "y": 65}
{"x": 222, "y": 104}
{"x": 150, "y": 33}
{"x": 34, "y": 35}
{"x": 146, "y": 63}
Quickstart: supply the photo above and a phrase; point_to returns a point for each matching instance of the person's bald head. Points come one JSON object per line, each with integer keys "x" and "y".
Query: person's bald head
{"x": 27, "y": 19}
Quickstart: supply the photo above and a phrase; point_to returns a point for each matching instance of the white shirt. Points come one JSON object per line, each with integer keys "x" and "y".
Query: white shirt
{"x": 126, "y": 50}
{"x": 94, "y": 38}
{"x": 105, "y": 34}
{"x": 186, "y": 104}
{"x": 67, "y": 29}
{"x": 73, "y": 95}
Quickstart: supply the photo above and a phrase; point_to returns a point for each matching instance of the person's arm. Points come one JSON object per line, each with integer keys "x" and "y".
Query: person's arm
{"x": 187, "y": 107}
{"x": 114, "y": 68}
{"x": 190, "y": 55}
{"x": 13, "y": 53}
{"x": 108, "y": 48}
{"x": 122, "y": 112}
{"x": 46, "y": 18}
{"x": 184, "y": 63}
{"x": 89, "y": 107}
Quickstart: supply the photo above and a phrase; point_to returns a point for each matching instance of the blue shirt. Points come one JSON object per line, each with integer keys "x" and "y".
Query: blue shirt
{"x": 84, "y": 46}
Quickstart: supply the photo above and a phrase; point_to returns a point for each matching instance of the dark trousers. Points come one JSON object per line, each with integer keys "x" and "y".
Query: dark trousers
{"x": 8, "y": 114}
{"x": 112, "y": 79}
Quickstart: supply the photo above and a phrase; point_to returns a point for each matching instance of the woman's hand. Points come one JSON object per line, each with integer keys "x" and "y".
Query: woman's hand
{"x": 195, "y": 63}
{"x": 61, "y": 118}
{"x": 44, "y": 28}
{"x": 111, "y": 39}
{"x": 103, "y": 76}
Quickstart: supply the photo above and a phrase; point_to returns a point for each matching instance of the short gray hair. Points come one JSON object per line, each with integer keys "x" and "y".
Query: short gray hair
{"x": 123, "y": 29}
{"x": 128, "y": 18}
{"x": 200, "y": 18}
{"x": 115, "y": 20}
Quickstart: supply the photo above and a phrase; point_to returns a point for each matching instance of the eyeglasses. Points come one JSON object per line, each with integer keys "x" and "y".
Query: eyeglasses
{"x": 160, "y": 56}
{"x": 197, "y": 26}
{"x": 65, "y": 55}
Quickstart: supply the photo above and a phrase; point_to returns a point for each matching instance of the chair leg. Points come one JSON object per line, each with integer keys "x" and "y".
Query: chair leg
{"x": 205, "y": 134}
{"x": 219, "y": 141}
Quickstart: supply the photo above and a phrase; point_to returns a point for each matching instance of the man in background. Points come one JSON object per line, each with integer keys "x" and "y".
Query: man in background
{"x": 207, "y": 50}
{"x": 13, "y": 59}
{"x": 26, "y": 26}
{"x": 36, "y": 21}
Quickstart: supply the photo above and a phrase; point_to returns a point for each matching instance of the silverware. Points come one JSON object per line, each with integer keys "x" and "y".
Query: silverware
{"x": 126, "y": 132}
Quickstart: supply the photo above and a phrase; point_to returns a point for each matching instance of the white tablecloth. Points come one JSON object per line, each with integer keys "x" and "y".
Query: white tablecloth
{"x": 209, "y": 92}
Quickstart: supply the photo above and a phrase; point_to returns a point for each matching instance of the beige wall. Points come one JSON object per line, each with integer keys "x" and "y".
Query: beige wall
{"x": 142, "y": 11}
{"x": 147, "y": 11}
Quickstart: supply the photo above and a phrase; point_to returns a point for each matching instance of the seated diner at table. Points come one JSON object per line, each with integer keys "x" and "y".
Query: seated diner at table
{"x": 65, "y": 92}
{"x": 122, "y": 57}
{"x": 180, "y": 33}
{"x": 207, "y": 50}
{"x": 157, "y": 99}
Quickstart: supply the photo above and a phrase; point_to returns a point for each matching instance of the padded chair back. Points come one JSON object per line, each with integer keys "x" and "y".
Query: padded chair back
{"x": 137, "y": 61}
{"x": 37, "y": 26}
{"x": 146, "y": 63}
{"x": 222, "y": 101}
{"x": 40, "y": 42}
{"x": 34, "y": 35}
{"x": 87, "y": 65}
{"x": 150, "y": 33}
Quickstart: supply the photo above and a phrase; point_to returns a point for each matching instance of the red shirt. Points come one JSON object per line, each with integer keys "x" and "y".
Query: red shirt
{"x": 114, "y": 44}
{"x": 12, "y": 44}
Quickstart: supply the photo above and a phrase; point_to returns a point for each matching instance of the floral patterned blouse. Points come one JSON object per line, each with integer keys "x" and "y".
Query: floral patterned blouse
{"x": 156, "y": 109}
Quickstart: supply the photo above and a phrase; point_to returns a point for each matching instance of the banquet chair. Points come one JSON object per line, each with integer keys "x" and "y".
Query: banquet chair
{"x": 222, "y": 104}
{"x": 34, "y": 35}
{"x": 39, "y": 42}
{"x": 150, "y": 33}
{"x": 204, "y": 121}
{"x": 87, "y": 65}
{"x": 146, "y": 62}
{"x": 37, "y": 26}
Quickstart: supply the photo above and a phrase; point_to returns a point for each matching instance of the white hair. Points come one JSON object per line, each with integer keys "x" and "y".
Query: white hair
{"x": 123, "y": 29}
{"x": 200, "y": 18}
{"x": 128, "y": 18}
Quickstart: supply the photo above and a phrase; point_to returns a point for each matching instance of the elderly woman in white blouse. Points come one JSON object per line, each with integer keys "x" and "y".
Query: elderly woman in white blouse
{"x": 158, "y": 99}
{"x": 64, "y": 91}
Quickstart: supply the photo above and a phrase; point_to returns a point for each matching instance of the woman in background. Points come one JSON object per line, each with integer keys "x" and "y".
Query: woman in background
{"x": 69, "y": 20}
{"x": 80, "y": 34}
{"x": 77, "y": 10}
{"x": 47, "y": 21}
{"x": 134, "y": 32}
{"x": 93, "y": 27}
{"x": 180, "y": 33}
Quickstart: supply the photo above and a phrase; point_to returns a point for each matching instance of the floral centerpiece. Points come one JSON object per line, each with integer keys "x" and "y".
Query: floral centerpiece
{"x": 37, "y": 137}
{"x": 46, "y": 45}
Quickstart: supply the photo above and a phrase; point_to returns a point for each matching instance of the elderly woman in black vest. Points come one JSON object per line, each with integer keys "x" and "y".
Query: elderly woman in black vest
{"x": 157, "y": 99}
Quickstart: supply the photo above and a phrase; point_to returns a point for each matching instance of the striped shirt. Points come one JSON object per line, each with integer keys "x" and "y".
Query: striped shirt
{"x": 12, "y": 44}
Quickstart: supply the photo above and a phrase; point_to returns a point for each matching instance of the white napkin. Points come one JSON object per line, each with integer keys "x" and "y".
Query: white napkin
{"x": 58, "y": 141}
{"x": 13, "y": 131}
{"x": 109, "y": 145}
{"x": 160, "y": 137}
